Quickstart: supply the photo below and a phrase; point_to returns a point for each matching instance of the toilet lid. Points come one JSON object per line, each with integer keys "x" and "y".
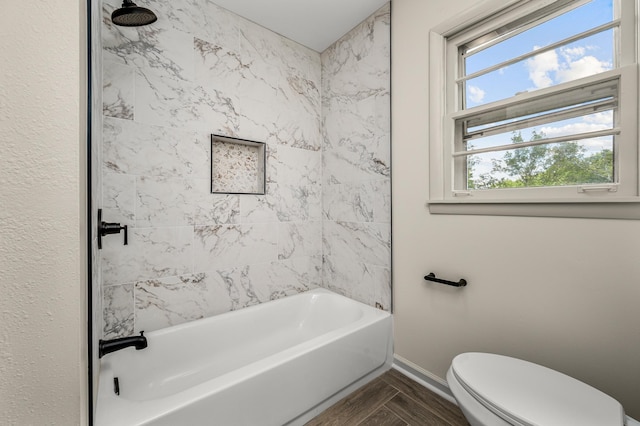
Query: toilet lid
{"x": 527, "y": 394}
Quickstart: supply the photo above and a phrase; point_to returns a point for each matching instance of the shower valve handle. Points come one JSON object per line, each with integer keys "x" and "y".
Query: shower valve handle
{"x": 108, "y": 228}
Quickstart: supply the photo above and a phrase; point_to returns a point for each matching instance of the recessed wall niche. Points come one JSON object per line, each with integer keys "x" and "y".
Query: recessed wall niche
{"x": 237, "y": 166}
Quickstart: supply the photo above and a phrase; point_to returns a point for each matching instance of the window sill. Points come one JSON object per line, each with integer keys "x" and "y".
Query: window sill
{"x": 627, "y": 209}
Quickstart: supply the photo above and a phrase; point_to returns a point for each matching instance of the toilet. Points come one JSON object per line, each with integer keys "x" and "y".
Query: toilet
{"x": 496, "y": 390}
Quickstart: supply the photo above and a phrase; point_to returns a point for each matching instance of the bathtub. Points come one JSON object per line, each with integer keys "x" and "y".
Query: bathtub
{"x": 277, "y": 363}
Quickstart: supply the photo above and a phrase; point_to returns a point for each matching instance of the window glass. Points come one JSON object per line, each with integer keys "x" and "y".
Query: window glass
{"x": 589, "y": 161}
{"x": 580, "y": 19}
{"x": 593, "y": 104}
{"x": 547, "y": 111}
{"x": 582, "y": 58}
{"x": 587, "y": 123}
{"x": 578, "y": 112}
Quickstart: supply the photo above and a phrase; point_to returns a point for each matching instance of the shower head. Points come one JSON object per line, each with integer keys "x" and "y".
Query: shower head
{"x": 130, "y": 15}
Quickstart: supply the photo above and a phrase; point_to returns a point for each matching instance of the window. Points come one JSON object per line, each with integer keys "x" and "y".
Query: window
{"x": 536, "y": 102}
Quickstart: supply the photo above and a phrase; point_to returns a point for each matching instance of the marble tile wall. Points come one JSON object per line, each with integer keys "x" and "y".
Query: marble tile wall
{"x": 356, "y": 129}
{"x": 167, "y": 87}
{"x": 201, "y": 70}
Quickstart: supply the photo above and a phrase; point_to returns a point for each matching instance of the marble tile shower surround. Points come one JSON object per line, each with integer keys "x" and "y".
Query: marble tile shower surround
{"x": 356, "y": 131}
{"x": 200, "y": 70}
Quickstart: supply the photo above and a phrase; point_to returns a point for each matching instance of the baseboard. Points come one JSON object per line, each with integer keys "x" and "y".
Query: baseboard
{"x": 422, "y": 376}
{"x": 439, "y": 386}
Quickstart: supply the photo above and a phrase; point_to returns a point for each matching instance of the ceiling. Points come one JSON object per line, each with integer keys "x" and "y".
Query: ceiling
{"x": 316, "y": 24}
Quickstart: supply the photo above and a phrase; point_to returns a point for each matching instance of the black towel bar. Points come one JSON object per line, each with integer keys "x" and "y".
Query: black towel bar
{"x": 432, "y": 277}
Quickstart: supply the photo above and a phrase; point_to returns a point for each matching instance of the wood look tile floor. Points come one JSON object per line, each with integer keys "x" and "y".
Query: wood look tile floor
{"x": 391, "y": 400}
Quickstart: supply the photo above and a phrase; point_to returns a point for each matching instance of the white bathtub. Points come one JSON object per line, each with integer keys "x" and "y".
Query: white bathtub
{"x": 276, "y": 363}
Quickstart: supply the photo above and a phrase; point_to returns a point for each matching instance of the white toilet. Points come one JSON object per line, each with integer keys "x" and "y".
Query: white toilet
{"x": 496, "y": 390}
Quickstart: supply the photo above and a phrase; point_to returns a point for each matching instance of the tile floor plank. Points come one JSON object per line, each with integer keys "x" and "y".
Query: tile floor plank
{"x": 433, "y": 401}
{"x": 413, "y": 412}
{"x": 356, "y": 407}
{"x": 383, "y": 417}
{"x": 392, "y": 399}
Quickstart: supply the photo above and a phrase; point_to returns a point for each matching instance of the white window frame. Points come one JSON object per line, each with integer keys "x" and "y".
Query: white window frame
{"x": 619, "y": 200}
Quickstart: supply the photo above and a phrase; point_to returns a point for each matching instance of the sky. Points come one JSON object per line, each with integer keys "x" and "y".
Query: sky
{"x": 579, "y": 59}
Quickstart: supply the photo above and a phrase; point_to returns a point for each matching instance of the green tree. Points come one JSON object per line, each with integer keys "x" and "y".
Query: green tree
{"x": 525, "y": 164}
{"x": 600, "y": 167}
{"x": 472, "y": 162}
{"x": 566, "y": 163}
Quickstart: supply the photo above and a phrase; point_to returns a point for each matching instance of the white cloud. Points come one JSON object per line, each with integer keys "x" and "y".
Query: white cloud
{"x": 540, "y": 67}
{"x": 592, "y": 145}
{"x": 573, "y": 128}
{"x": 582, "y": 67}
{"x": 573, "y": 52}
{"x": 605, "y": 117}
{"x": 564, "y": 64}
{"x": 597, "y": 144}
{"x": 476, "y": 94}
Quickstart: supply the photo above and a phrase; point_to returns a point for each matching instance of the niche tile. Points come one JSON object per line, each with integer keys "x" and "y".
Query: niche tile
{"x": 237, "y": 166}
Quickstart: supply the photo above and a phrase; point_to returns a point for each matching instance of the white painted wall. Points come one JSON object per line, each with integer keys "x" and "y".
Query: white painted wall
{"x": 560, "y": 292}
{"x": 42, "y": 253}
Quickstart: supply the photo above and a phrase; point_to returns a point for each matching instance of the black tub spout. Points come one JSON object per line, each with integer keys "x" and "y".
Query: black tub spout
{"x": 108, "y": 346}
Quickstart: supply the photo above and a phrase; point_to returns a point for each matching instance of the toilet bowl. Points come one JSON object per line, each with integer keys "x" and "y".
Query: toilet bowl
{"x": 496, "y": 390}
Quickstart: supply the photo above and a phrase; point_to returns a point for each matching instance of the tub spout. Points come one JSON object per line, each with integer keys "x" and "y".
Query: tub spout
{"x": 108, "y": 346}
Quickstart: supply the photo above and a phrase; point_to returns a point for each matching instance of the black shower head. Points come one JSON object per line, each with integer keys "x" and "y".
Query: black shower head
{"x": 130, "y": 15}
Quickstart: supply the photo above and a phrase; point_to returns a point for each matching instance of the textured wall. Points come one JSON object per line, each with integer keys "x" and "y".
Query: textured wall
{"x": 356, "y": 163}
{"x": 560, "y": 292}
{"x": 42, "y": 246}
{"x": 167, "y": 87}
